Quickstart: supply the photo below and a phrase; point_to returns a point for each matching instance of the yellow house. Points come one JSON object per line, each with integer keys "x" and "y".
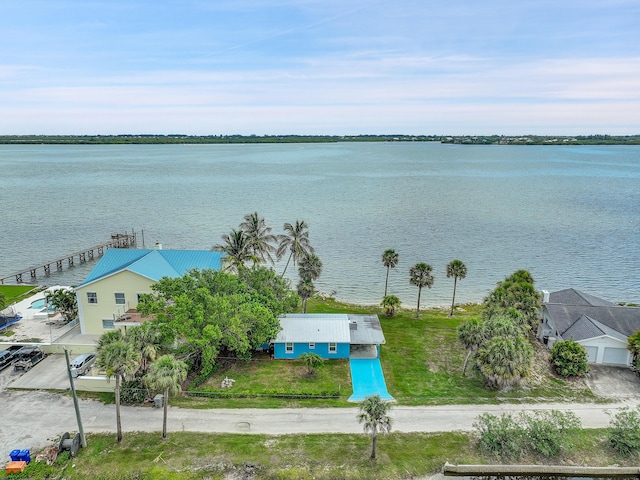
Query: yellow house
{"x": 108, "y": 297}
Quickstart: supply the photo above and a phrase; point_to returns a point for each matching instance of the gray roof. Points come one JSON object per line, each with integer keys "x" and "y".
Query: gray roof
{"x": 586, "y": 327}
{"x": 569, "y": 306}
{"x": 571, "y": 296}
{"x": 368, "y": 330}
{"x": 324, "y": 328}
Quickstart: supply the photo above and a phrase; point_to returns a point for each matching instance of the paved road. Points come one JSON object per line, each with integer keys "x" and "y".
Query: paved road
{"x": 33, "y": 419}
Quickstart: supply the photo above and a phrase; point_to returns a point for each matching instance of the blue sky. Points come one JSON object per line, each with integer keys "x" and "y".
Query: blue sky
{"x": 320, "y": 67}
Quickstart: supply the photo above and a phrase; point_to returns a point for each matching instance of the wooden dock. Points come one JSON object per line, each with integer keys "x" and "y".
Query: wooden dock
{"x": 118, "y": 240}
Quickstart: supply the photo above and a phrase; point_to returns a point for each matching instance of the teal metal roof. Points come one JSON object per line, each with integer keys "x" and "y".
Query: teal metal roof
{"x": 153, "y": 264}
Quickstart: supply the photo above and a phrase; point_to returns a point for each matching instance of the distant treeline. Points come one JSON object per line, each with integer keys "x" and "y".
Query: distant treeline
{"x": 222, "y": 139}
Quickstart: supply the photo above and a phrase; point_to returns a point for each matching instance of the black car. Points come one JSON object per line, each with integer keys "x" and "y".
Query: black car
{"x": 6, "y": 357}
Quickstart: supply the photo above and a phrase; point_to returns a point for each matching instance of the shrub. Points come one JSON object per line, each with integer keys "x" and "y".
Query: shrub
{"x": 133, "y": 392}
{"x": 624, "y": 431}
{"x": 569, "y": 359}
{"x": 390, "y": 304}
{"x": 500, "y": 436}
{"x": 547, "y": 431}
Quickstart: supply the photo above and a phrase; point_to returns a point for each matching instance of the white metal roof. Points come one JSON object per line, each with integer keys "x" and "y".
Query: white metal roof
{"x": 319, "y": 328}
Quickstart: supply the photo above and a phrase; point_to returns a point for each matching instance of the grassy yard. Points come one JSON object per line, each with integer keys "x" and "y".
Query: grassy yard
{"x": 15, "y": 293}
{"x": 224, "y": 456}
{"x": 422, "y": 362}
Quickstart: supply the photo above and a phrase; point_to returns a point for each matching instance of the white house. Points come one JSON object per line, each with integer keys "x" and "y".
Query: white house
{"x": 602, "y": 327}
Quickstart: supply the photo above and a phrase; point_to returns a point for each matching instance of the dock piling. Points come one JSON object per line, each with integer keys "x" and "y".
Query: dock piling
{"x": 118, "y": 240}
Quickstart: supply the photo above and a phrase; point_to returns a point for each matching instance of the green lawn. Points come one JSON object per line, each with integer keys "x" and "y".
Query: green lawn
{"x": 422, "y": 362}
{"x": 15, "y": 293}
{"x": 187, "y": 455}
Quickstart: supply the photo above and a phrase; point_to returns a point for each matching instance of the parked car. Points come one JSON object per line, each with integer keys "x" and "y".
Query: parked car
{"x": 8, "y": 356}
{"x": 27, "y": 357}
{"x": 81, "y": 364}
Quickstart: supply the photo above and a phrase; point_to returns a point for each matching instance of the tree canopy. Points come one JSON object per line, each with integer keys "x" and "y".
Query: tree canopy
{"x": 215, "y": 314}
{"x": 516, "y": 296}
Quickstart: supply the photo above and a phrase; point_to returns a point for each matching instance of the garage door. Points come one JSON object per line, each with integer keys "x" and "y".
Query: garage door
{"x": 615, "y": 356}
{"x": 592, "y": 354}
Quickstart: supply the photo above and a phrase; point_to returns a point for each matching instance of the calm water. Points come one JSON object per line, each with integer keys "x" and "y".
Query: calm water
{"x": 570, "y": 215}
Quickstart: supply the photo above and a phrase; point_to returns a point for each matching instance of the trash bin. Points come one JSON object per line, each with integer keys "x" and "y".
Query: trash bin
{"x": 158, "y": 400}
{"x": 25, "y": 456}
{"x": 15, "y": 455}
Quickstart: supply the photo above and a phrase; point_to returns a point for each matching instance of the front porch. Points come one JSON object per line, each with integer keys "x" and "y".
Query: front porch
{"x": 363, "y": 351}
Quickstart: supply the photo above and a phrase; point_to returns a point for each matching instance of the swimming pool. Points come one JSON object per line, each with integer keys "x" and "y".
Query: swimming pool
{"x": 38, "y": 304}
{"x": 367, "y": 379}
{"x": 41, "y": 306}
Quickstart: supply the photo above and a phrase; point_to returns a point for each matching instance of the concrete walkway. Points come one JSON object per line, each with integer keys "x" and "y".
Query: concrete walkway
{"x": 34, "y": 419}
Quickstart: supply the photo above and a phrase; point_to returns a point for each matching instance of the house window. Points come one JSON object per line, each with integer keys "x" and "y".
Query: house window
{"x": 333, "y": 347}
{"x": 92, "y": 297}
{"x": 312, "y": 345}
{"x": 119, "y": 298}
{"x": 141, "y": 296}
{"x": 288, "y": 347}
{"x": 107, "y": 324}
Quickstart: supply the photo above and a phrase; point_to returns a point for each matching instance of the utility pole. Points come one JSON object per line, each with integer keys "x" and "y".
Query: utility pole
{"x": 83, "y": 440}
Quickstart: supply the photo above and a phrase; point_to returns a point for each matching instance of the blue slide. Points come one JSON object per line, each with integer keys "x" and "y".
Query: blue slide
{"x": 367, "y": 379}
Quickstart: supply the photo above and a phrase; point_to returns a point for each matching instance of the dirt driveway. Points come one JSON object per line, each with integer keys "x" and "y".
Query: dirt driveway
{"x": 613, "y": 382}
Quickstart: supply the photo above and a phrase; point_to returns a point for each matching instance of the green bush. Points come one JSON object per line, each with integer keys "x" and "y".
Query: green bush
{"x": 569, "y": 359}
{"x": 500, "y": 436}
{"x": 547, "y": 431}
{"x": 544, "y": 433}
{"x": 133, "y": 392}
{"x": 624, "y": 431}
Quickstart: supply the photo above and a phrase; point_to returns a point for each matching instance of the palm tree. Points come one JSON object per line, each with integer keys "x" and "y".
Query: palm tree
{"x": 261, "y": 240}
{"x": 310, "y": 267}
{"x": 420, "y": 276}
{"x": 109, "y": 337}
{"x": 296, "y": 241}
{"x": 389, "y": 260}
{"x": 305, "y": 290}
{"x": 505, "y": 361}
{"x": 119, "y": 359}
{"x": 471, "y": 334}
{"x": 146, "y": 340}
{"x": 390, "y": 303}
{"x": 166, "y": 374}
{"x": 237, "y": 249}
{"x": 374, "y": 414}
{"x": 457, "y": 270}
{"x": 312, "y": 361}
{"x": 63, "y": 300}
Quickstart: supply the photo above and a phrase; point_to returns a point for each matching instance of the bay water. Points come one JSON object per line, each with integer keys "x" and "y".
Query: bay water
{"x": 568, "y": 214}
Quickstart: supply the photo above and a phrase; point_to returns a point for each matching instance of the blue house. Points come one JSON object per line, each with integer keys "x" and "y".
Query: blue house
{"x": 328, "y": 335}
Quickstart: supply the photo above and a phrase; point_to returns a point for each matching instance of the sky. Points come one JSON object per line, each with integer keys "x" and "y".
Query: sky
{"x": 316, "y": 67}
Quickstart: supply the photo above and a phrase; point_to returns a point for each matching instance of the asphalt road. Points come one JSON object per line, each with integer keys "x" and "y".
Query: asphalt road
{"x": 34, "y": 419}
